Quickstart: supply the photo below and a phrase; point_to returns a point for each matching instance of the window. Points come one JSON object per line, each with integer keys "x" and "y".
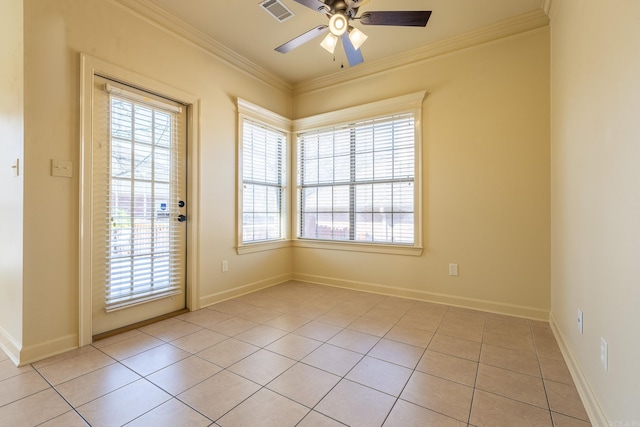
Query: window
{"x": 359, "y": 182}
{"x": 263, "y": 176}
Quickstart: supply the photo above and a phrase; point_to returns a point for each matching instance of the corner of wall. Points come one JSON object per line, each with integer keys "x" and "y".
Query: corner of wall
{"x": 589, "y": 399}
{"x": 237, "y": 291}
{"x": 12, "y": 176}
{"x": 49, "y": 348}
{"x": 10, "y": 346}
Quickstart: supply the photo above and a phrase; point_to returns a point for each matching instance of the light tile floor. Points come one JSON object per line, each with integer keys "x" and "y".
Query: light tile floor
{"x": 305, "y": 355}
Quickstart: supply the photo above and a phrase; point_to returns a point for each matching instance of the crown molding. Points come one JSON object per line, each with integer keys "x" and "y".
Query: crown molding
{"x": 510, "y": 27}
{"x": 166, "y": 21}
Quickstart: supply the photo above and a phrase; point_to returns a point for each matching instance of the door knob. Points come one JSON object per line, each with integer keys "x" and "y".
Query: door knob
{"x": 182, "y": 218}
{"x": 181, "y": 204}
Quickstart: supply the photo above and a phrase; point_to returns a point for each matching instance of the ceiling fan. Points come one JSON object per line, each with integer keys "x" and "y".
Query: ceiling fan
{"x": 340, "y": 13}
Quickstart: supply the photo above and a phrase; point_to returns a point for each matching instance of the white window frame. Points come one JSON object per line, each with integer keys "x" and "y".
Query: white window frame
{"x": 402, "y": 104}
{"x": 255, "y": 113}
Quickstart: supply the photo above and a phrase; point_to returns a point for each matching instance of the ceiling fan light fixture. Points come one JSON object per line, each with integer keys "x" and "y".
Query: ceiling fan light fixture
{"x": 338, "y": 24}
{"x": 357, "y": 38}
{"x": 330, "y": 42}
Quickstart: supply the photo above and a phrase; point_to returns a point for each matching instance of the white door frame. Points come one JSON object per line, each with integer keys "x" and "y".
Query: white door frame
{"x": 89, "y": 67}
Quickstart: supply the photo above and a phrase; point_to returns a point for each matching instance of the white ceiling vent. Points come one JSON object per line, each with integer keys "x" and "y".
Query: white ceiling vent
{"x": 277, "y": 9}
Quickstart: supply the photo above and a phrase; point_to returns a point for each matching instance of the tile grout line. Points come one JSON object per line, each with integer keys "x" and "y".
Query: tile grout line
{"x": 359, "y": 317}
{"x": 344, "y": 377}
{"x": 413, "y": 370}
{"x": 144, "y": 377}
{"x": 475, "y": 381}
{"x": 544, "y": 385}
{"x": 52, "y": 387}
{"x": 248, "y": 379}
{"x": 301, "y": 362}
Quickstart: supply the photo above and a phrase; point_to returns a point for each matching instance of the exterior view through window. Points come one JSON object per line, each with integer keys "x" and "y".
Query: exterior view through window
{"x": 263, "y": 182}
{"x": 356, "y": 182}
{"x": 143, "y": 258}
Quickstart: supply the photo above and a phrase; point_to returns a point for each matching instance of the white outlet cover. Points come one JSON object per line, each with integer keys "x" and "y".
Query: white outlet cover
{"x": 453, "y": 269}
{"x": 604, "y": 353}
{"x": 63, "y": 168}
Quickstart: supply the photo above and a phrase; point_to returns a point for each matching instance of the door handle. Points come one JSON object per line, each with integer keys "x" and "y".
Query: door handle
{"x": 182, "y": 218}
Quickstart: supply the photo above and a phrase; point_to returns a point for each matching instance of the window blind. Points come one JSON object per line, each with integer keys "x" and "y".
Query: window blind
{"x": 143, "y": 244}
{"x": 263, "y": 182}
{"x": 356, "y": 182}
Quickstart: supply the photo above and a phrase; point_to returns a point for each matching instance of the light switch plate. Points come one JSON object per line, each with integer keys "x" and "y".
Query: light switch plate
{"x": 16, "y": 167}
{"x": 63, "y": 168}
{"x": 580, "y": 321}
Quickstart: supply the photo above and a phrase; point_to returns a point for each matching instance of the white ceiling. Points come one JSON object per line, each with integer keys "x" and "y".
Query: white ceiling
{"x": 248, "y": 30}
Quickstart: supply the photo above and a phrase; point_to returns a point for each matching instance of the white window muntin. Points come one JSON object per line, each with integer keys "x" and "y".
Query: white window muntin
{"x": 356, "y": 182}
{"x": 411, "y": 103}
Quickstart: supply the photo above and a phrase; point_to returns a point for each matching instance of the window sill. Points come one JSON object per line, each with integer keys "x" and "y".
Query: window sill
{"x": 262, "y": 246}
{"x": 359, "y": 247}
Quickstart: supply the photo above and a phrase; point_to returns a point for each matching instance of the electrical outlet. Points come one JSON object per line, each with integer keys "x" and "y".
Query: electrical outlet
{"x": 453, "y": 269}
{"x": 604, "y": 353}
{"x": 580, "y": 323}
{"x": 225, "y": 266}
{"x": 63, "y": 168}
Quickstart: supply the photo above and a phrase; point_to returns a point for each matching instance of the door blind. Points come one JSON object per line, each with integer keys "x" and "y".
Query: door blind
{"x": 143, "y": 247}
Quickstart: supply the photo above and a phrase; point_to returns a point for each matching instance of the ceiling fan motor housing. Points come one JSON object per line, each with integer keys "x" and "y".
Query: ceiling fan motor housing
{"x": 347, "y": 7}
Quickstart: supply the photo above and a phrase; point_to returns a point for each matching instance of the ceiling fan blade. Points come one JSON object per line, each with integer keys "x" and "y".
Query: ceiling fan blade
{"x": 354, "y": 56}
{"x": 302, "y": 39}
{"x": 403, "y": 18}
{"x": 316, "y": 5}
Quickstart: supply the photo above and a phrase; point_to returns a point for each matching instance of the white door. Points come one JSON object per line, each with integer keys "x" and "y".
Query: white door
{"x": 139, "y": 208}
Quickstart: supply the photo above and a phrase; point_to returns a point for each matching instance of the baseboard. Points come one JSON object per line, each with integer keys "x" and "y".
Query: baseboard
{"x": 10, "y": 346}
{"x": 243, "y": 290}
{"x": 589, "y": 399}
{"x": 49, "y": 348}
{"x": 475, "y": 304}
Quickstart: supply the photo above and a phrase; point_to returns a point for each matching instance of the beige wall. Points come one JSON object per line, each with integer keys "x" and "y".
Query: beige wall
{"x": 55, "y": 34}
{"x": 486, "y": 168}
{"x": 11, "y": 187}
{"x": 486, "y": 179}
{"x": 595, "y": 199}
{"x": 487, "y": 187}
